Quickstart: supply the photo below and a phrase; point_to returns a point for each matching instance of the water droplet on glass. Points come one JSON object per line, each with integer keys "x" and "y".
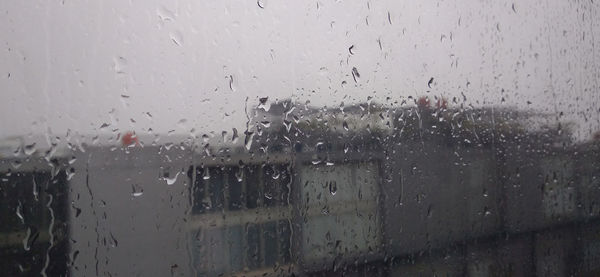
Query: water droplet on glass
{"x": 136, "y": 190}
{"x": 263, "y": 103}
{"x": 345, "y": 125}
{"x": 323, "y": 71}
{"x": 248, "y": 140}
{"x": 486, "y": 211}
{"x": 26, "y": 240}
{"x": 30, "y": 149}
{"x": 176, "y": 37}
{"x": 287, "y": 124}
{"x": 206, "y": 175}
{"x": 430, "y": 82}
{"x": 275, "y": 175}
{"x": 355, "y": 75}
{"x": 70, "y": 174}
{"x": 120, "y": 64}
{"x": 231, "y": 82}
{"x": 19, "y": 213}
{"x": 16, "y": 164}
{"x": 239, "y": 175}
{"x": 333, "y": 187}
{"x": 171, "y": 181}
{"x": 234, "y": 136}
{"x": 165, "y": 14}
{"x": 266, "y": 124}
{"x": 261, "y": 3}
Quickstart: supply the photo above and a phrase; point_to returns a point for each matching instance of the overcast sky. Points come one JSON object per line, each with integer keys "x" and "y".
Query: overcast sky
{"x": 178, "y": 65}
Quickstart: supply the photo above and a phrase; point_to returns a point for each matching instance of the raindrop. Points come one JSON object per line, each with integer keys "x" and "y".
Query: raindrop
{"x": 350, "y": 49}
{"x": 355, "y": 74}
{"x": 224, "y": 136}
{"x": 20, "y": 213}
{"x": 115, "y": 243}
{"x": 234, "y": 136}
{"x": 26, "y": 244}
{"x": 345, "y": 125}
{"x": 176, "y": 37}
{"x": 16, "y": 164}
{"x": 17, "y": 151}
{"x": 287, "y": 124}
{"x": 30, "y": 238}
{"x": 430, "y": 82}
{"x": 136, "y": 190}
{"x": 70, "y": 174}
{"x": 231, "y": 84}
{"x": 486, "y": 211}
{"x": 263, "y": 103}
{"x": 248, "y": 140}
{"x": 171, "y": 181}
{"x": 165, "y": 14}
{"x": 206, "y": 175}
{"x": 323, "y": 71}
{"x": 34, "y": 188}
{"x": 120, "y": 63}
{"x": 333, "y": 187}
{"x": 266, "y": 124}
{"x": 261, "y": 3}
{"x": 275, "y": 175}
{"x": 30, "y": 149}
{"x": 239, "y": 175}
{"x": 75, "y": 254}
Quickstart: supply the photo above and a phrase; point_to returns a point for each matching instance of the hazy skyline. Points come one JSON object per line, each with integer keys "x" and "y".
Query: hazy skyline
{"x": 189, "y": 64}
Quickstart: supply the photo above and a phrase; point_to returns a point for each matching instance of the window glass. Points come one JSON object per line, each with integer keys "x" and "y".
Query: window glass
{"x": 300, "y": 138}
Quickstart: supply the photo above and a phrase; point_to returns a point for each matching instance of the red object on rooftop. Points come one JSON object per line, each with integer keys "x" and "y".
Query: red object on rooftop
{"x": 442, "y": 103}
{"x": 423, "y": 102}
{"x": 129, "y": 139}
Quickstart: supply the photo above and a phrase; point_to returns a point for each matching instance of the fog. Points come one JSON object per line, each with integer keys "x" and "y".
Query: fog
{"x": 192, "y": 67}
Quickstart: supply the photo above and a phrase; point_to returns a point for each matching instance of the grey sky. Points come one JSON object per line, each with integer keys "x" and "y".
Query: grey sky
{"x": 76, "y": 65}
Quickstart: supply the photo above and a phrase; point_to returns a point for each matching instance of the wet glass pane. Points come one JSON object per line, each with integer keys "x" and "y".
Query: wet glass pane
{"x": 296, "y": 138}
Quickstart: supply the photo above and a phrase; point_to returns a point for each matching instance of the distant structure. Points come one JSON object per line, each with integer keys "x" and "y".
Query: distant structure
{"x": 355, "y": 190}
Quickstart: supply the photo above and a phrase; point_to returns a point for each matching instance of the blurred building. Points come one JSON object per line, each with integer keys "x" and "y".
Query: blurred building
{"x": 362, "y": 190}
